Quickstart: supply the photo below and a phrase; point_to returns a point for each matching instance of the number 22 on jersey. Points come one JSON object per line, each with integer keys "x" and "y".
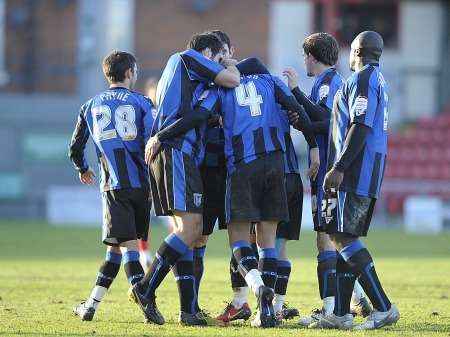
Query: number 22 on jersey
{"x": 246, "y": 95}
{"x": 124, "y": 118}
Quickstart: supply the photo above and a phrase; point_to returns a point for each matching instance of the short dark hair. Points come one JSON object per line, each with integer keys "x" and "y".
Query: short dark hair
{"x": 201, "y": 41}
{"x": 116, "y": 63}
{"x": 323, "y": 47}
{"x": 223, "y": 37}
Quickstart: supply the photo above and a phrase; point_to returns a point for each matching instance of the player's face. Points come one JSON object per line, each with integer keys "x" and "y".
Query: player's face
{"x": 352, "y": 59}
{"x": 227, "y": 52}
{"x": 309, "y": 64}
{"x": 219, "y": 56}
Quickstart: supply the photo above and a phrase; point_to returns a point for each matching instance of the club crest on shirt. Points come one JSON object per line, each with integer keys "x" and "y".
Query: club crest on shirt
{"x": 360, "y": 106}
{"x": 197, "y": 199}
{"x": 323, "y": 91}
{"x": 154, "y": 113}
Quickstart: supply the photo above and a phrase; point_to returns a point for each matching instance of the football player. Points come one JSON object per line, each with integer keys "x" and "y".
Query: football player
{"x": 356, "y": 162}
{"x": 119, "y": 122}
{"x": 320, "y": 51}
{"x": 175, "y": 179}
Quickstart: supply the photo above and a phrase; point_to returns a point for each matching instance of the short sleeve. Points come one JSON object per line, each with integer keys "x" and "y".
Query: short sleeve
{"x": 363, "y": 99}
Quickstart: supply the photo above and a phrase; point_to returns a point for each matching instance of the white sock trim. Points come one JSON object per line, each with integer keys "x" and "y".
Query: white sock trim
{"x": 239, "y": 296}
{"x": 328, "y": 304}
{"x": 254, "y": 280}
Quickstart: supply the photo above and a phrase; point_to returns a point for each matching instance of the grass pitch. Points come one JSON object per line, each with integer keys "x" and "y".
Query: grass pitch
{"x": 44, "y": 270}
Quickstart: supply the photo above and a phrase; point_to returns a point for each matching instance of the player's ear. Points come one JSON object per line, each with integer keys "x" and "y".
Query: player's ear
{"x": 207, "y": 53}
{"x": 357, "y": 52}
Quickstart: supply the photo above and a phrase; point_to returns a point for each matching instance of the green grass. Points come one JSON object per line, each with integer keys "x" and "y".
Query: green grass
{"x": 44, "y": 270}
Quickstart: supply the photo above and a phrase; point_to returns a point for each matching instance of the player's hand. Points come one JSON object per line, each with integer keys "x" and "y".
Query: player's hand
{"x": 333, "y": 180}
{"x": 293, "y": 117}
{"x": 88, "y": 177}
{"x": 315, "y": 163}
{"x": 229, "y": 62}
{"x": 151, "y": 149}
{"x": 214, "y": 121}
{"x": 292, "y": 77}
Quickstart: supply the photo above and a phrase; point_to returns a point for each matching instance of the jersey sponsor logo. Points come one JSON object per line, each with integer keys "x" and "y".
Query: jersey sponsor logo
{"x": 324, "y": 91}
{"x": 360, "y": 106}
{"x": 154, "y": 113}
{"x": 197, "y": 199}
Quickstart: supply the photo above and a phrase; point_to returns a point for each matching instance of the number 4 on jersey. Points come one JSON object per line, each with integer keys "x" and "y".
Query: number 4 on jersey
{"x": 247, "y": 95}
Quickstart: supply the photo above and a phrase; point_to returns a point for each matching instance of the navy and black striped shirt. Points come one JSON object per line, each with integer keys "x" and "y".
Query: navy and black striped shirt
{"x": 181, "y": 86}
{"x": 362, "y": 100}
{"x": 253, "y": 119}
{"x": 120, "y": 123}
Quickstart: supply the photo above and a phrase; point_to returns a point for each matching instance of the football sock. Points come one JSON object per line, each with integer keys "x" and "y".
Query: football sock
{"x": 328, "y": 304}
{"x": 358, "y": 293}
{"x": 345, "y": 282}
{"x": 240, "y": 296}
{"x": 132, "y": 266}
{"x": 326, "y": 273}
{"x": 247, "y": 265}
{"x": 168, "y": 253}
{"x": 268, "y": 265}
{"x": 278, "y": 302}
{"x": 283, "y": 272}
{"x": 237, "y": 280}
{"x": 358, "y": 258}
{"x": 184, "y": 275}
{"x": 199, "y": 253}
{"x": 106, "y": 275}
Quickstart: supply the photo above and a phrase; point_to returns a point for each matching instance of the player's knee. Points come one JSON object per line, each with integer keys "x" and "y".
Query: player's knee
{"x": 129, "y": 245}
{"x": 202, "y": 241}
{"x": 114, "y": 249}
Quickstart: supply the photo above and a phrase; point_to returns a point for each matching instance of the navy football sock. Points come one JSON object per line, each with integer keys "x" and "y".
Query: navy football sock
{"x": 184, "y": 275}
{"x": 359, "y": 259}
{"x": 199, "y": 253}
{"x": 268, "y": 265}
{"x": 237, "y": 280}
{"x": 283, "y": 272}
{"x": 105, "y": 277}
{"x": 247, "y": 265}
{"x": 132, "y": 266}
{"x": 168, "y": 253}
{"x": 345, "y": 281}
{"x": 326, "y": 273}
{"x": 108, "y": 270}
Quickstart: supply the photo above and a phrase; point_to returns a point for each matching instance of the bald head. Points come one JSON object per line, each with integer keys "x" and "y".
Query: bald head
{"x": 367, "y": 46}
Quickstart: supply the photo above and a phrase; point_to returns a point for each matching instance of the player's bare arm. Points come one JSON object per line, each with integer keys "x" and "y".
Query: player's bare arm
{"x": 228, "y": 77}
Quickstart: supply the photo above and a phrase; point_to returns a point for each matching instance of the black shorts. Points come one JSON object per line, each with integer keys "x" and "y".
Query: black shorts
{"x": 348, "y": 213}
{"x": 317, "y": 204}
{"x": 175, "y": 182}
{"x": 256, "y": 190}
{"x": 290, "y": 230}
{"x": 214, "y": 181}
{"x": 126, "y": 215}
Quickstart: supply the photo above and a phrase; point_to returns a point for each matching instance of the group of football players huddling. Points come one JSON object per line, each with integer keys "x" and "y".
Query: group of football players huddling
{"x": 215, "y": 148}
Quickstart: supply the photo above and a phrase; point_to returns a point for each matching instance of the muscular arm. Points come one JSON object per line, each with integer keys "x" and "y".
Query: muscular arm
{"x": 189, "y": 120}
{"x": 354, "y": 144}
{"x": 321, "y": 127}
{"x": 78, "y": 144}
{"x": 304, "y": 123}
{"x": 228, "y": 77}
{"x": 316, "y": 112}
